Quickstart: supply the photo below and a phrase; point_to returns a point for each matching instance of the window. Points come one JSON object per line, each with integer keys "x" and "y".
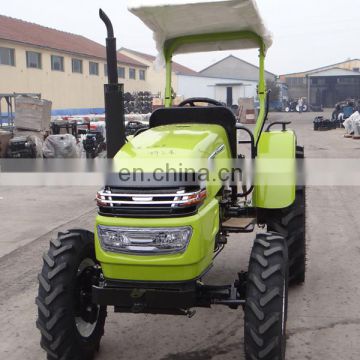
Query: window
{"x": 105, "y": 70}
{"x": 356, "y": 69}
{"x": 33, "y": 60}
{"x": 296, "y": 81}
{"x": 57, "y": 63}
{"x": 142, "y": 74}
{"x": 7, "y": 56}
{"x": 121, "y": 72}
{"x": 77, "y": 66}
{"x": 132, "y": 73}
{"x": 346, "y": 80}
{"x": 93, "y": 68}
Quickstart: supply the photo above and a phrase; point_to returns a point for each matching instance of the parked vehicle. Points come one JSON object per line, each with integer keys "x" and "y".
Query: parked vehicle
{"x": 21, "y": 147}
{"x": 133, "y": 127}
{"x": 320, "y": 123}
{"x": 293, "y": 106}
{"x": 344, "y": 109}
{"x": 155, "y": 239}
{"x": 94, "y": 143}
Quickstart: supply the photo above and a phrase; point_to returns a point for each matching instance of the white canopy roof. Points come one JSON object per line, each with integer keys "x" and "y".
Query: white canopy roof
{"x": 174, "y": 18}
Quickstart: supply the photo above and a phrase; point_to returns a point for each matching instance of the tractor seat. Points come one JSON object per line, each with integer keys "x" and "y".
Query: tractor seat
{"x": 217, "y": 115}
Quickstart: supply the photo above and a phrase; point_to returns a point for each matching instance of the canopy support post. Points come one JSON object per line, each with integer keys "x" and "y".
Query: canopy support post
{"x": 171, "y": 45}
{"x": 168, "y": 88}
{"x": 262, "y": 95}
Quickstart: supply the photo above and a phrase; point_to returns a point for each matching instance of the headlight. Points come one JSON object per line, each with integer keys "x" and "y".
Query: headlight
{"x": 144, "y": 240}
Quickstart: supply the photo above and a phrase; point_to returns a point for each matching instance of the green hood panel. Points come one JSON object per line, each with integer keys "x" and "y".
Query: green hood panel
{"x": 188, "y": 144}
{"x": 175, "y": 149}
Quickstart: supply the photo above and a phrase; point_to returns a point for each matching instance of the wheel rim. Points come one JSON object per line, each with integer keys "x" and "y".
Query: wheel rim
{"x": 87, "y": 314}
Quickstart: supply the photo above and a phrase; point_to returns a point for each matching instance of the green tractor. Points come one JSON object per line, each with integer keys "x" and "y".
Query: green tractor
{"x": 165, "y": 211}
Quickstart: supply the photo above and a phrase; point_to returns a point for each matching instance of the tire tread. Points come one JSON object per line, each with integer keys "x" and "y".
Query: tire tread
{"x": 264, "y": 339}
{"x": 59, "y": 337}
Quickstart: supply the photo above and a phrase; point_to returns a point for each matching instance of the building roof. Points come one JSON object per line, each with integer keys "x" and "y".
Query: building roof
{"x": 334, "y": 72}
{"x": 236, "y": 58}
{"x": 222, "y": 66}
{"x": 321, "y": 68}
{"x": 178, "y": 68}
{"x": 36, "y": 35}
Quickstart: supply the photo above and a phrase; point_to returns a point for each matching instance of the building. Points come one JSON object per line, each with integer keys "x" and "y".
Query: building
{"x": 188, "y": 83}
{"x": 226, "y": 90}
{"x": 227, "y": 80}
{"x": 156, "y": 77}
{"x": 326, "y": 85}
{"x": 233, "y": 78}
{"x": 232, "y": 67}
{"x": 68, "y": 69}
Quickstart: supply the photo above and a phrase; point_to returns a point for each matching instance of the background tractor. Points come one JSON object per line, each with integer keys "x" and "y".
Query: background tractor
{"x": 158, "y": 231}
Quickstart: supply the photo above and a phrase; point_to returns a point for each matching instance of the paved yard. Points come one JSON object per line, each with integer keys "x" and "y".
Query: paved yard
{"x": 324, "y": 314}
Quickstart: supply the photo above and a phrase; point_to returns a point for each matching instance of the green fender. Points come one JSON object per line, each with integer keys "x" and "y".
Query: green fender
{"x": 275, "y": 170}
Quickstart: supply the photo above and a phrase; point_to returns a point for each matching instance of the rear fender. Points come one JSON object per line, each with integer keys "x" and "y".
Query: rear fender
{"x": 275, "y": 170}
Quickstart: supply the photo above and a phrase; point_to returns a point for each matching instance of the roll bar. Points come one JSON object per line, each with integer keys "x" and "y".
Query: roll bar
{"x": 171, "y": 45}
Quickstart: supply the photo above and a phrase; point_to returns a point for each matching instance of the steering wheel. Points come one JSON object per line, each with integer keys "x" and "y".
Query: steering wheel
{"x": 192, "y": 101}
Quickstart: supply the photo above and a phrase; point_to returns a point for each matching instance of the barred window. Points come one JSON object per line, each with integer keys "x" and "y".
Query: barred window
{"x": 57, "y": 63}
{"x": 142, "y": 74}
{"x": 77, "y": 66}
{"x": 33, "y": 60}
{"x": 7, "y": 56}
{"x": 121, "y": 72}
{"x": 93, "y": 68}
{"x": 132, "y": 73}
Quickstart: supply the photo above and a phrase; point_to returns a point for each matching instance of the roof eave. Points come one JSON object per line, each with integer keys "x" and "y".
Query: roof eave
{"x": 85, "y": 55}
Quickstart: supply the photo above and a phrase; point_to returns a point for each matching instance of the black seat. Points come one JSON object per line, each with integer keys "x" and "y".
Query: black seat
{"x": 217, "y": 115}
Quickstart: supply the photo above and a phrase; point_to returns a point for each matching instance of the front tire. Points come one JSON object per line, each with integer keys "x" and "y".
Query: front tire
{"x": 71, "y": 326}
{"x": 266, "y": 298}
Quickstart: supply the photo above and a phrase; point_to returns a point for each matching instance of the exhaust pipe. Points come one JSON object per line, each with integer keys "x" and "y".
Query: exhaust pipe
{"x": 114, "y": 95}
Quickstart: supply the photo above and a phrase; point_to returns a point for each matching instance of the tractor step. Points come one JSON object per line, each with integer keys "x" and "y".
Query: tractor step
{"x": 239, "y": 225}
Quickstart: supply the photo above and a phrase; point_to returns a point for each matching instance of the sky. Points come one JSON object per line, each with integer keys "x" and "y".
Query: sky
{"x": 307, "y": 34}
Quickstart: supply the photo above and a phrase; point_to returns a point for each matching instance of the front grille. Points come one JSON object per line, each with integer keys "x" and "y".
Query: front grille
{"x": 150, "y": 202}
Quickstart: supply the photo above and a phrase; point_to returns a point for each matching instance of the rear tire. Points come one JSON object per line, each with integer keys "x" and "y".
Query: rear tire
{"x": 266, "y": 299}
{"x": 71, "y": 326}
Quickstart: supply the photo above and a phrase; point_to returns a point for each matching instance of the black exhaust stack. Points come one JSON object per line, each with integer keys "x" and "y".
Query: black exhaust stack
{"x": 114, "y": 95}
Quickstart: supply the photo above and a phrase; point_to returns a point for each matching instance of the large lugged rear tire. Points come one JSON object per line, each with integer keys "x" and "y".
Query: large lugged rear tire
{"x": 266, "y": 298}
{"x": 71, "y": 326}
{"x": 291, "y": 223}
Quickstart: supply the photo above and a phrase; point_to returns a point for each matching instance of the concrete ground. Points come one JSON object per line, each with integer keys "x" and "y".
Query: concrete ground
{"x": 324, "y": 313}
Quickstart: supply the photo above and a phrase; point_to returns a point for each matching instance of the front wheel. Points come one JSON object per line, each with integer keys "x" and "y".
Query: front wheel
{"x": 267, "y": 298}
{"x": 71, "y": 326}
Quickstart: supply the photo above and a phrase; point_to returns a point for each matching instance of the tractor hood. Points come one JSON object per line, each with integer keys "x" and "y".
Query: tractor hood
{"x": 187, "y": 143}
{"x": 176, "y": 148}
